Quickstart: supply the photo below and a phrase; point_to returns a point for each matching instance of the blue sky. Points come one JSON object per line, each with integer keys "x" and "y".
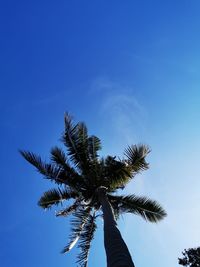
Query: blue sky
{"x": 130, "y": 70}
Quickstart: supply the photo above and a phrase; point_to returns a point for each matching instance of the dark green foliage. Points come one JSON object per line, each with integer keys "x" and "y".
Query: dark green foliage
{"x": 79, "y": 171}
{"x": 191, "y": 257}
{"x": 50, "y": 171}
{"x": 58, "y": 156}
{"x": 75, "y": 139}
{"x": 116, "y": 173}
{"x": 55, "y": 196}
{"x": 148, "y": 209}
{"x": 94, "y": 145}
{"x": 68, "y": 210}
{"x": 136, "y": 158}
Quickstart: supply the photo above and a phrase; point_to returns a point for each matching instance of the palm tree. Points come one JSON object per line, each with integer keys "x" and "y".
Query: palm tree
{"x": 191, "y": 257}
{"x": 91, "y": 182}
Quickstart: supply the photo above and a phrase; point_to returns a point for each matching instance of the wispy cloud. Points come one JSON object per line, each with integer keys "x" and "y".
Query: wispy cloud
{"x": 124, "y": 114}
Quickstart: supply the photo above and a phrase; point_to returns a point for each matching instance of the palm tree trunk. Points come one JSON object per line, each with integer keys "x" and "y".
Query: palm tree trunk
{"x": 117, "y": 252}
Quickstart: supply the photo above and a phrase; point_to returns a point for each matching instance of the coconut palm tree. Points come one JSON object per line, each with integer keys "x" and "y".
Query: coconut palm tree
{"x": 92, "y": 183}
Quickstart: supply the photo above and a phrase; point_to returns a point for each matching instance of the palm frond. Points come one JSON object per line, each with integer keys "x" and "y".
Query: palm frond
{"x": 72, "y": 208}
{"x": 94, "y": 145}
{"x": 116, "y": 173}
{"x": 136, "y": 157}
{"x": 67, "y": 173}
{"x": 61, "y": 175}
{"x": 50, "y": 171}
{"x": 86, "y": 237}
{"x": 83, "y": 142}
{"x": 79, "y": 220}
{"x": 58, "y": 156}
{"x": 55, "y": 196}
{"x": 150, "y": 210}
{"x": 75, "y": 138}
{"x": 71, "y": 244}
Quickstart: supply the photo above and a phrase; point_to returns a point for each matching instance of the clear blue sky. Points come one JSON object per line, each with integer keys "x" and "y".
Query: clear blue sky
{"x": 129, "y": 69}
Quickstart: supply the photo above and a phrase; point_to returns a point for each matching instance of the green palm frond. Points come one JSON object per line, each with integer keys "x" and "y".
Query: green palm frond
{"x": 67, "y": 211}
{"x": 83, "y": 142}
{"x": 55, "y": 196}
{"x": 116, "y": 173}
{"x": 136, "y": 157}
{"x": 69, "y": 139}
{"x": 79, "y": 220}
{"x": 75, "y": 138}
{"x": 54, "y": 172}
{"x": 94, "y": 145}
{"x": 67, "y": 172}
{"x": 58, "y": 156}
{"x": 149, "y": 210}
{"x": 86, "y": 237}
{"x": 50, "y": 171}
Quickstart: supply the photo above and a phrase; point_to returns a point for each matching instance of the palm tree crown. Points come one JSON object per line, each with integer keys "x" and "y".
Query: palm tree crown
{"x": 79, "y": 172}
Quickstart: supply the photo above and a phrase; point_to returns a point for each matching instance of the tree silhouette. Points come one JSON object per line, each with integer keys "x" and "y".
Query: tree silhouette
{"x": 91, "y": 182}
{"x": 191, "y": 257}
